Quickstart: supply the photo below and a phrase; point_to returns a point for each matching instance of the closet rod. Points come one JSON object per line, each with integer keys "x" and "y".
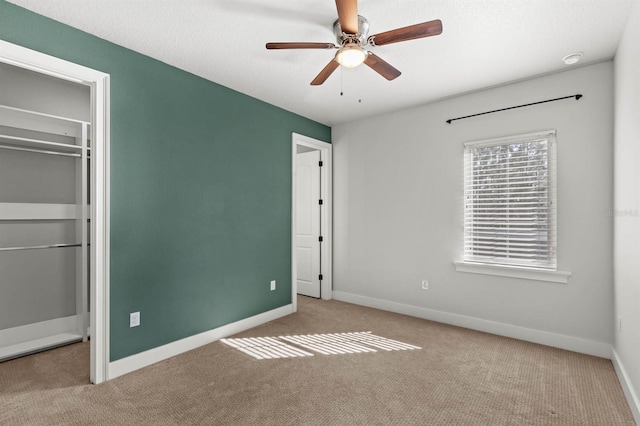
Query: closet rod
{"x": 21, "y": 139}
{"x": 39, "y": 151}
{"x": 39, "y": 247}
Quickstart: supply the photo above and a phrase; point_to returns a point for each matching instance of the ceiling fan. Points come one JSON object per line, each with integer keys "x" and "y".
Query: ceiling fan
{"x": 351, "y": 31}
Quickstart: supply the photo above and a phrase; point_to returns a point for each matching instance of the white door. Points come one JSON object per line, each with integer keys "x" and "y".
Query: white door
{"x": 308, "y": 223}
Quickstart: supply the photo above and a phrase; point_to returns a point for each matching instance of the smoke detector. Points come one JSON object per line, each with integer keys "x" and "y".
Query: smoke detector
{"x": 572, "y": 58}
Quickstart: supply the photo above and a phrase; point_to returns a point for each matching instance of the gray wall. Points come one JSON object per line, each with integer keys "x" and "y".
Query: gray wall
{"x": 398, "y": 206}
{"x": 38, "y": 285}
{"x": 627, "y": 203}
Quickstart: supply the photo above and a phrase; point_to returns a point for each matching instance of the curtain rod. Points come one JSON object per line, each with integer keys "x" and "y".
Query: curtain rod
{"x": 577, "y": 97}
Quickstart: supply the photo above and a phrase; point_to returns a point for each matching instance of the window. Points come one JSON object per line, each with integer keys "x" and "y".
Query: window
{"x": 510, "y": 202}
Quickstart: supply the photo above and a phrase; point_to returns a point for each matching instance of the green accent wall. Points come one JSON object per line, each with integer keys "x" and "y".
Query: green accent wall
{"x": 200, "y": 190}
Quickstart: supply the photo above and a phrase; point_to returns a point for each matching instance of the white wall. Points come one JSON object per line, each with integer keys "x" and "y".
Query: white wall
{"x": 398, "y": 212}
{"x": 21, "y": 88}
{"x": 627, "y": 199}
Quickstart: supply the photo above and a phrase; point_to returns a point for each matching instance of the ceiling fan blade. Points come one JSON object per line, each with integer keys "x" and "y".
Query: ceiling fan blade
{"x": 412, "y": 32}
{"x": 300, "y": 45}
{"x": 348, "y": 15}
{"x": 325, "y": 73}
{"x": 382, "y": 67}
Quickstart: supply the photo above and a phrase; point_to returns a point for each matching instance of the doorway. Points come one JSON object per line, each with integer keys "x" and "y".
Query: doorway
{"x": 311, "y": 215}
{"x": 97, "y": 253}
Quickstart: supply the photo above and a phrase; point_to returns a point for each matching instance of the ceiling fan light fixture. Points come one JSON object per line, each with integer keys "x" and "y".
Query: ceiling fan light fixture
{"x": 351, "y": 55}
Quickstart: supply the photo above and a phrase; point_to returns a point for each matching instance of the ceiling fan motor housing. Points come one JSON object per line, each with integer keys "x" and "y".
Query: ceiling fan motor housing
{"x": 360, "y": 38}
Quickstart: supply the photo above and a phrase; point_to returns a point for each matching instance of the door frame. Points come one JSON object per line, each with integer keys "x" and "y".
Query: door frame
{"x": 98, "y": 83}
{"x": 326, "y": 194}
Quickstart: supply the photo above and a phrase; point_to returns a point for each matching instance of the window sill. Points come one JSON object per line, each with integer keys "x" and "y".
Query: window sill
{"x": 513, "y": 272}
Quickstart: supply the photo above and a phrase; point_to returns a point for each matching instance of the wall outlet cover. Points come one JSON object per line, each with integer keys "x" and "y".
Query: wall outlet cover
{"x": 273, "y": 285}
{"x": 134, "y": 319}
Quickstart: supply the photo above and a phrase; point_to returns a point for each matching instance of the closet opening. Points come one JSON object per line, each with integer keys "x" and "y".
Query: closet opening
{"x": 53, "y": 205}
{"x": 44, "y": 211}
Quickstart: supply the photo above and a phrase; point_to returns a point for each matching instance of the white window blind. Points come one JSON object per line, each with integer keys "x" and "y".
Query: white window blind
{"x": 510, "y": 201}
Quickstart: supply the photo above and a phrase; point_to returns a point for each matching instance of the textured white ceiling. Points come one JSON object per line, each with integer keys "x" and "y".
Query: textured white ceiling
{"x": 484, "y": 43}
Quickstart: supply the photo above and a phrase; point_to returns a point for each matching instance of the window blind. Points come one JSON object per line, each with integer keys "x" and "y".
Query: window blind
{"x": 510, "y": 201}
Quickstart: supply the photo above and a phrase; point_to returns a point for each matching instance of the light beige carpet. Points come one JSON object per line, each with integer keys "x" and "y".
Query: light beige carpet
{"x": 459, "y": 377}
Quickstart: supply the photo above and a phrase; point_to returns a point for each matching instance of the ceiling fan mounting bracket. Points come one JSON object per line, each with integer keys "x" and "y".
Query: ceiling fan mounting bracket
{"x": 360, "y": 38}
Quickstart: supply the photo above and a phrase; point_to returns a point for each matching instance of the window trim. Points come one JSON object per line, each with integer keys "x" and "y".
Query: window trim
{"x": 561, "y": 277}
{"x": 474, "y": 226}
{"x": 518, "y": 271}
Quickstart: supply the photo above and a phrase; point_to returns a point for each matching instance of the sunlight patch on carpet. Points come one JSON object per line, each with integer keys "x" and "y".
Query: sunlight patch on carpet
{"x": 325, "y": 344}
{"x": 265, "y": 348}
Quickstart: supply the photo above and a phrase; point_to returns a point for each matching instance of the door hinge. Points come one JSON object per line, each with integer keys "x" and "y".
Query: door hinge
{"x": 320, "y": 202}
{"x": 320, "y": 277}
{"x": 320, "y": 238}
{"x": 320, "y": 163}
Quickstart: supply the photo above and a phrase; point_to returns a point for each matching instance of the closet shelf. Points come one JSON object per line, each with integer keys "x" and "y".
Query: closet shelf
{"x": 39, "y": 151}
{"x": 37, "y": 345}
{"x": 47, "y": 123}
{"x": 40, "y": 211}
{"x": 20, "y": 142}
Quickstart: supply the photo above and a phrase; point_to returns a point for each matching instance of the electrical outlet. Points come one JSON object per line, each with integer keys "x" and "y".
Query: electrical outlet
{"x": 425, "y": 285}
{"x": 273, "y": 285}
{"x": 619, "y": 324}
{"x": 134, "y": 319}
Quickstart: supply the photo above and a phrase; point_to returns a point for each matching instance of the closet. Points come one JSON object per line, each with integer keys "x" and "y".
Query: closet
{"x": 44, "y": 212}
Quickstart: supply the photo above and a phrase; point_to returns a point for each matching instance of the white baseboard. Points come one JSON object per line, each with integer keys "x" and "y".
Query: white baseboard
{"x": 38, "y": 345}
{"x": 146, "y": 358}
{"x": 38, "y": 330}
{"x": 555, "y": 340}
{"x": 26, "y": 339}
{"x": 627, "y": 387}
